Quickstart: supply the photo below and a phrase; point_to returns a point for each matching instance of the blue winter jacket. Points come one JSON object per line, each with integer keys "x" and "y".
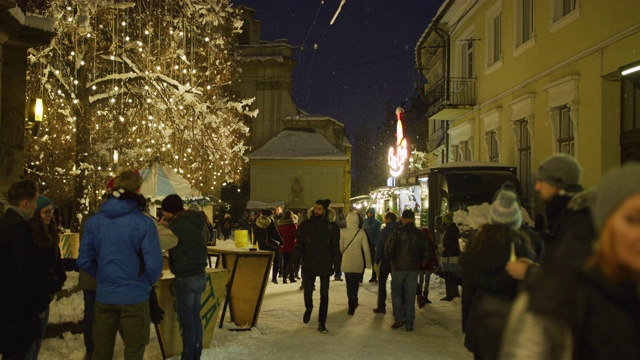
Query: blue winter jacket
{"x": 372, "y": 226}
{"x": 114, "y": 243}
{"x": 382, "y": 237}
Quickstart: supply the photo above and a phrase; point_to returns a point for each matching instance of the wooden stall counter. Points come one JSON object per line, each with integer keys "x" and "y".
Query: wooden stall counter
{"x": 212, "y": 301}
{"x": 247, "y": 282}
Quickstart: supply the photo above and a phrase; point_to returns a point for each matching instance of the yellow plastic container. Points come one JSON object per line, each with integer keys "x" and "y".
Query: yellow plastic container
{"x": 242, "y": 239}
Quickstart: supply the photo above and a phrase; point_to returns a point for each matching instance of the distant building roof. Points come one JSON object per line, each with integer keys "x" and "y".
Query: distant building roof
{"x": 292, "y": 144}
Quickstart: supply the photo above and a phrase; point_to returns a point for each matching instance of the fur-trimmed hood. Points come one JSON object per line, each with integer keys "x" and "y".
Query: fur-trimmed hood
{"x": 285, "y": 222}
{"x": 330, "y": 214}
{"x": 580, "y": 200}
{"x": 263, "y": 222}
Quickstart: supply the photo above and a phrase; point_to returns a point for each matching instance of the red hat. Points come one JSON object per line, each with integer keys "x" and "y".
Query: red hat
{"x": 110, "y": 183}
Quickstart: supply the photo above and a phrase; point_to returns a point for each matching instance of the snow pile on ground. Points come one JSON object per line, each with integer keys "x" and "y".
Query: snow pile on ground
{"x": 280, "y": 332}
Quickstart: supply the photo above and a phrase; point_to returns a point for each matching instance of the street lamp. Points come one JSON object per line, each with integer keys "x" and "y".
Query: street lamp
{"x": 35, "y": 110}
{"x": 630, "y": 69}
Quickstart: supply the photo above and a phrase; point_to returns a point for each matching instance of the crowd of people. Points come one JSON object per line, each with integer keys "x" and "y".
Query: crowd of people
{"x": 120, "y": 260}
{"x": 569, "y": 289}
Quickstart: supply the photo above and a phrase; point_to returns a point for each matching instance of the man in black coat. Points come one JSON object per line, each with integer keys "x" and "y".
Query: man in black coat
{"x": 569, "y": 232}
{"x": 18, "y": 313}
{"x": 318, "y": 245}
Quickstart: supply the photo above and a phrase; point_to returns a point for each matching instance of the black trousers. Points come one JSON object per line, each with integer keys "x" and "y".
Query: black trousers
{"x": 384, "y": 270}
{"x": 287, "y": 270}
{"x": 276, "y": 264}
{"x": 309, "y": 282}
{"x": 451, "y": 284}
{"x": 353, "y": 285}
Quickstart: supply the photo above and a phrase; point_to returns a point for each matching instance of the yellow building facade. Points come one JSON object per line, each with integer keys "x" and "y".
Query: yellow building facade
{"x": 517, "y": 81}
{"x": 283, "y": 165}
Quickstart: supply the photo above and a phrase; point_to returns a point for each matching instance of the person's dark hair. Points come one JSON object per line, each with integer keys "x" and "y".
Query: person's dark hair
{"x": 391, "y": 216}
{"x": 26, "y": 189}
{"x": 45, "y": 236}
{"x": 325, "y": 203}
{"x": 288, "y": 215}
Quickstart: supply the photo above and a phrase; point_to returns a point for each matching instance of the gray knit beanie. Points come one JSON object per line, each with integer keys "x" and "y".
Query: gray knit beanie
{"x": 614, "y": 188}
{"x": 561, "y": 171}
{"x": 505, "y": 210}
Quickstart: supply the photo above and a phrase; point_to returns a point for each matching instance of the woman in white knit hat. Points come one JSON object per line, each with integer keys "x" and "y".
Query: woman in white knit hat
{"x": 487, "y": 288}
{"x": 592, "y": 312}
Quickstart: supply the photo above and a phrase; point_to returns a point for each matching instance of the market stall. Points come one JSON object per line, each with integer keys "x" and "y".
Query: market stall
{"x": 212, "y": 301}
{"x": 247, "y": 282}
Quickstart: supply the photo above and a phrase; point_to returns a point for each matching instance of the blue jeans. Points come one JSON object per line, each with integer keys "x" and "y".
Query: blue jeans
{"x": 403, "y": 292}
{"x": 32, "y": 354}
{"x": 89, "y": 305}
{"x": 188, "y": 293}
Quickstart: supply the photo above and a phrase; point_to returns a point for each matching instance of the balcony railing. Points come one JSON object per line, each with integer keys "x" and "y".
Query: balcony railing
{"x": 460, "y": 93}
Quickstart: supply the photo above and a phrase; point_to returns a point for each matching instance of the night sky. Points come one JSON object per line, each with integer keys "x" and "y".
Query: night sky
{"x": 364, "y": 62}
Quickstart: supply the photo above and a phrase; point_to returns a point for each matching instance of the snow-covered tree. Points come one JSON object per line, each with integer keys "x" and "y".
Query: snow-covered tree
{"x": 145, "y": 80}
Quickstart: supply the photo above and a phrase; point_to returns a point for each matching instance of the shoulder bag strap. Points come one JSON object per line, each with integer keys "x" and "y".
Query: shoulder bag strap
{"x": 354, "y": 237}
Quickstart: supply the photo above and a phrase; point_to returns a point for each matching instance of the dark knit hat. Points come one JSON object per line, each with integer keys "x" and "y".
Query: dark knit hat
{"x": 614, "y": 188}
{"x": 325, "y": 203}
{"x": 267, "y": 212}
{"x": 560, "y": 171}
{"x": 42, "y": 203}
{"x": 172, "y": 204}
{"x": 505, "y": 210}
{"x": 408, "y": 214}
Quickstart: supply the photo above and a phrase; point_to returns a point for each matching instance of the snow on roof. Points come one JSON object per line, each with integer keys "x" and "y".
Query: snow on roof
{"x": 310, "y": 117}
{"x": 291, "y": 144}
{"x": 31, "y": 21}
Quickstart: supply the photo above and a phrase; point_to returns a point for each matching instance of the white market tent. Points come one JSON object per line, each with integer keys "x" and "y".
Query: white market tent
{"x": 158, "y": 182}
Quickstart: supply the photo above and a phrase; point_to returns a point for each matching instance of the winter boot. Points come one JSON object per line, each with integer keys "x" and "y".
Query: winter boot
{"x": 421, "y": 302}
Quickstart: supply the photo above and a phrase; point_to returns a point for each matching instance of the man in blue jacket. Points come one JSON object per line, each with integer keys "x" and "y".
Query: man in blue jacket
{"x": 121, "y": 249}
{"x": 384, "y": 266}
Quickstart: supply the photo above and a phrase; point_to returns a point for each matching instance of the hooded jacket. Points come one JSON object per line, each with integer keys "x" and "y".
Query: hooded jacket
{"x": 570, "y": 233}
{"x": 318, "y": 244}
{"x": 354, "y": 246}
{"x": 287, "y": 229}
{"x": 389, "y": 228}
{"x": 189, "y": 257}
{"x": 372, "y": 226}
{"x": 265, "y": 233}
{"x": 121, "y": 249}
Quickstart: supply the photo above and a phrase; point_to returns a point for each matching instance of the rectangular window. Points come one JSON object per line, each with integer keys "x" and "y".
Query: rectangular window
{"x": 524, "y": 157}
{"x": 467, "y": 58}
{"x": 496, "y": 38}
{"x": 566, "y": 141}
{"x": 527, "y": 20}
{"x": 494, "y": 153}
{"x": 568, "y": 6}
{"x": 562, "y": 8}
